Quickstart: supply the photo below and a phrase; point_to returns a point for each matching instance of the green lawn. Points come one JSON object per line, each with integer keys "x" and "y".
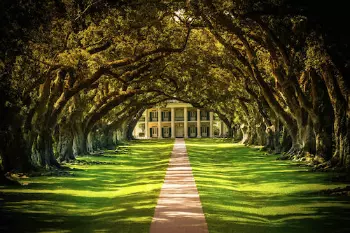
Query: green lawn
{"x": 244, "y": 191}
{"x": 118, "y": 197}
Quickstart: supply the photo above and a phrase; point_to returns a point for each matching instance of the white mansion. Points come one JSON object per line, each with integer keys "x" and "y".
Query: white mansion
{"x": 178, "y": 120}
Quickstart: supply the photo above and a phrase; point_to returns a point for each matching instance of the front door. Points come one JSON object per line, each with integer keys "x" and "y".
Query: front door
{"x": 166, "y": 132}
{"x": 204, "y": 130}
{"x": 179, "y": 131}
{"x": 193, "y": 132}
{"x": 154, "y": 132}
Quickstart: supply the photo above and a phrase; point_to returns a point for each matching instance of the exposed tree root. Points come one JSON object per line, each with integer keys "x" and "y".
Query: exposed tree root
{"x": 52, "y": 172}
{"x": 295, "y": 153}
{"x": 8, "y": 179}
{"x": 337, "y": 191}
{"x": 84, "y": 162}
{"x": 65, "y": 160}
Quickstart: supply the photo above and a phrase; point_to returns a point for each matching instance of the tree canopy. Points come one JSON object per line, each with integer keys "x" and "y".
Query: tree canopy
{"x": 77, "y": 75}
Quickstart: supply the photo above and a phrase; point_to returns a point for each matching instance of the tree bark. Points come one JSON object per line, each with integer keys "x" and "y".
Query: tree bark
{"x": 261, "y": 136}
{"x": 269, "y": 143}
{"x": 79, "y": 141}
{"x": 42, "y": 150}
{"x": 65, "y": 143}
{"x": 341, "y": 156}
{"x": 237, "y": 133}
{"x": 15, "y": 152}
{"x": 92, "y": 143}
{"x": 245, "y": 129}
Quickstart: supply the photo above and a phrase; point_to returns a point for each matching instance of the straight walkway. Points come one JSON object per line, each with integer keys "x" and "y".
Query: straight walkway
{"x": 179, "y": 209}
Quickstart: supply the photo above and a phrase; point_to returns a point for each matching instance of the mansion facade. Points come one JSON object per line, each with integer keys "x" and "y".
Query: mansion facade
{"x": 178, "y": 120}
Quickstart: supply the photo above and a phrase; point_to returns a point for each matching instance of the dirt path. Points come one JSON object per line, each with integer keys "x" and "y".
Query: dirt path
{"x": 179, "y": 209}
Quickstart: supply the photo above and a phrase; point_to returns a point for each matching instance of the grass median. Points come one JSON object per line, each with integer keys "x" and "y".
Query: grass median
{"x": 106, "y": 193}
{"x": 244, "y": 191}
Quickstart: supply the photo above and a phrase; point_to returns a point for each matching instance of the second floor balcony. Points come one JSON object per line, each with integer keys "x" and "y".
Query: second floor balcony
{"x": 166, "y": 116}
{"x": 192, "y": 118}
{"x": 153, "y": 119}
{"x": 166, "y": 119}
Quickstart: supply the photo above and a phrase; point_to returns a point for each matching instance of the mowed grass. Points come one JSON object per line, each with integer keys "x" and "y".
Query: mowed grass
{"x": 244, "y": 191}
{"x": 118, "y": 197}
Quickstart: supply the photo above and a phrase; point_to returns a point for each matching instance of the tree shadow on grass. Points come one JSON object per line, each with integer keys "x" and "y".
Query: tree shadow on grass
{"x": 95, "y": 214}
{"x": 243, "y": 190}
{"x": 98, "y": 198}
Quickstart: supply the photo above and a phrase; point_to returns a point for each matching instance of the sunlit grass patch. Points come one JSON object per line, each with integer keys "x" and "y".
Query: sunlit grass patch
{"x": 242, "y": 190}
{"x": 117, "y": 197}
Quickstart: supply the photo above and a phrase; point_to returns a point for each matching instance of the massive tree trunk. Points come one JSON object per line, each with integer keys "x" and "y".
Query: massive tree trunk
{"x": 323, "y": 140}
{"x": 42, "y": 150}
{"x": 245, "y": 129}
{"x": 122, "y": 132}
{"x": 237, "y": 133}
{"x": 115, "y": 137}
{"x": 342, "y": 137}
{"x": 132, "y": 123}
{"x": 93, "y": 142}
{"x": 282, "y": 140}
{"x": 341, "y": 156}
{"x": 15, "y": 152}
{"x": 14, "y": 149}
{"x": 322, "y": 118}
{"x": 276, "y": 137}
{"x": 283, "y": 117}
{"x": 80, "y": 140}
{"x": 269, "y": 143}
{"x": 304, "y": 138}
{"x": 107, "y": 138}
{"x": 101, "y": 137}
{"x": 129, "y": 133}
{"x": 261, "y": 136}
{"x": 65, "y": 143}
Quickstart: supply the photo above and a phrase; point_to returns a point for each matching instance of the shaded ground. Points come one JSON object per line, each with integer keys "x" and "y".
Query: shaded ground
{"x": 244, "y": 191}
{"x": 116, "y": 197}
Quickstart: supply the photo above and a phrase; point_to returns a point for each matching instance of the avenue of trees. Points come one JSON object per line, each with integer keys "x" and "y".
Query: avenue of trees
{"x": 77, "y": 75}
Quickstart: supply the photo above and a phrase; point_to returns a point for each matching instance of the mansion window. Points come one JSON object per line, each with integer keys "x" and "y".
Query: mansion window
{"x": 166, "y": 116}
{"x": 204, "y": 115}
{"x": 204, "y": 131}
{"x": 193, "y": 116}
{"x": 192, "y": 130}
{"x": 179, "y": 115}
{"x": 154, "y": 132}
{"x": 154, "y": 116}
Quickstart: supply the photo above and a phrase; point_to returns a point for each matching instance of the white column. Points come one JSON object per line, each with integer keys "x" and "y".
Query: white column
{"x": 159, "y": 123}
{"x": 198, "y": 123}
{"x": 146, "y": 124}
{"x": 185, "y": 123}
{"x": 211, "y": 117}
{"x": 172, "y": 123}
